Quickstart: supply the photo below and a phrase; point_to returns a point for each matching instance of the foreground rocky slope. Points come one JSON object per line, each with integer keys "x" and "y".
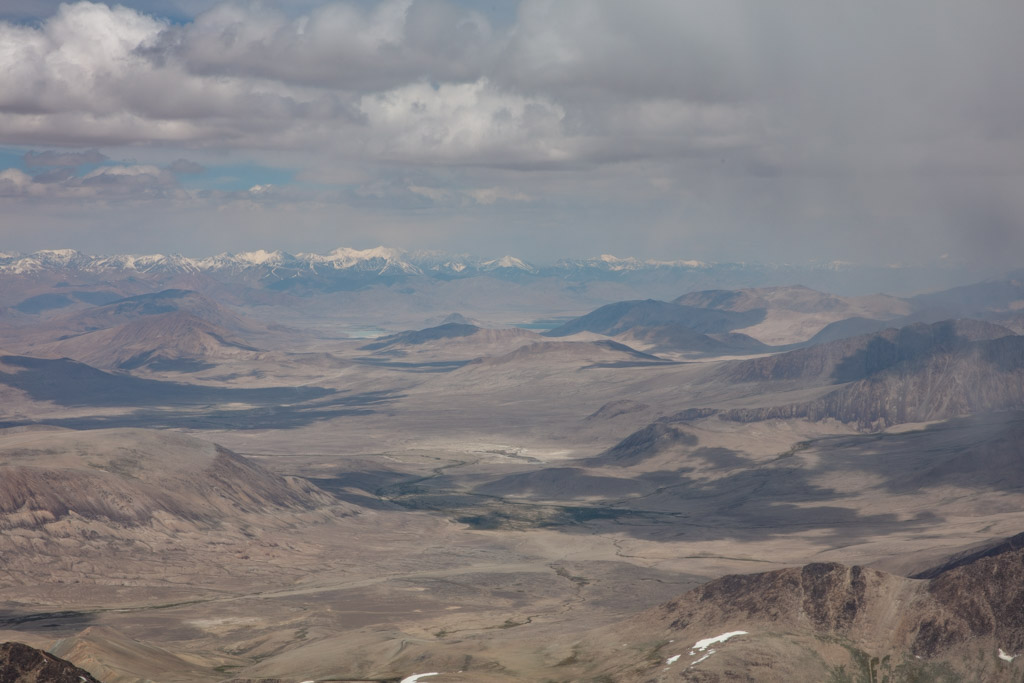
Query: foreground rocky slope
{"x": 20, "y": 663}
{"x": 830, "y": 622}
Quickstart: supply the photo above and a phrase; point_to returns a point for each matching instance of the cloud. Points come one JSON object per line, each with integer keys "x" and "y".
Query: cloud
{"x": 406, "y": 81}
{"x": 142, "y": 174}
{"x": 105, "y": 183}
{"x": 55, "y": 175}
{"x": 185, "y": 166}
{"x": 464, "y": 123}
{"x": 489, "y": 195}
{"x": 71, "y": 159}
{"x": 753, "y": 125}
{"x": 577, "y": 82}
{"x": 339, "y": 45}
{"x": 435, "y": 194}
{"x": 84, "y": 76}
{"x": 15, "y": 183}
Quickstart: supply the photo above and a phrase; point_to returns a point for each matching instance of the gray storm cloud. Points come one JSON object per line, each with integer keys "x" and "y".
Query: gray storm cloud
{"x": 831, "y": 125}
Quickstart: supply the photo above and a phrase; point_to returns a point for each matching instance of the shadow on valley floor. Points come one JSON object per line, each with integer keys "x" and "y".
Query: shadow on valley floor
{"x": 716, "y": 493}
{"x": 70, "y": 383}
{"x": 213, "y": 417}
{"x": 633, "y": 364}
{"x": 980, "y": 452}
{"x": 58, "y": 624}
{"x": 355, "y": 487}
{"x": 407, "y": 366}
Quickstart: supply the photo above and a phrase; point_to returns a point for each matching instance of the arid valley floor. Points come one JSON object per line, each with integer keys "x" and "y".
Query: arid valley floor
{"x": 209, "y": 476}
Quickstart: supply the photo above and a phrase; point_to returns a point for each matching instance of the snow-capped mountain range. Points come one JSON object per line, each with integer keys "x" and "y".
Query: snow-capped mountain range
{"x": 379, "y": 260}
{"x": 346, "y": 268}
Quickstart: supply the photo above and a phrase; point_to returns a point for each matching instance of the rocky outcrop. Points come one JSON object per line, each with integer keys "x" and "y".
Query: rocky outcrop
{"x": 915, "y": 374}
{"x": 827, "y": 621}
{"x": 984, "y": 376}
{"x": 862, "y": 357}
{"x": 20, "y": 663}
{"x": 972, "y": 555}
{"x": 827, "y": 597}
{"x": 982, "y": 599}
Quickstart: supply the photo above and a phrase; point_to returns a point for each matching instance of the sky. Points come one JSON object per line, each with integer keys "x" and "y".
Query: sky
{"x": 721, "y": 130}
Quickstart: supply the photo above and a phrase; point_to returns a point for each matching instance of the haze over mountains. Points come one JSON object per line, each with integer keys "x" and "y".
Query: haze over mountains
{"x": 371, "y": 465}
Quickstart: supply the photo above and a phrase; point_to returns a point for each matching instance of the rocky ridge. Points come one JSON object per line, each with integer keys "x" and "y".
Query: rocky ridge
{"x": 915, "y": 374}
{"x": 831, "y": 622}
{"x": 20, "y": 663}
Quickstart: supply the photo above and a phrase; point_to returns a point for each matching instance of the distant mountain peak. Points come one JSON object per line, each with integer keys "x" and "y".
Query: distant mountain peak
{"x": 262, "y": 257}
{"x": 609, "y": 262}
{"x": 508, "y": 262}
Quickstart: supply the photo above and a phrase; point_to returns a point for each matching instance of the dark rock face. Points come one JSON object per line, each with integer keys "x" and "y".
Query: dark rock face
{"x": 983, "y": 598}
{"x": 828, "y": 595}
{"x": 859, "y": 358}
{"x": 969, "y": 557}
{"x": 833, "y": 594}
{"x": 20, "y": 663}
{"x": 916, "y": 374}
{"x": 979, "y": 601}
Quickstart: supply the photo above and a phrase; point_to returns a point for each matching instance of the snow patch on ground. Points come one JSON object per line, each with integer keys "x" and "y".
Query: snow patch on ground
{"x": 698, "y": 661}
{"x": 674, "y": 658}
{"x": 702, "y": 645}
{"x": 416, "y": 677}
{"x": 1006, "y": 657}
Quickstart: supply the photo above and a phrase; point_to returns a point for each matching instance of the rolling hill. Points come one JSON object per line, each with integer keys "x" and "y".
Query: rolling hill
{"x": 176, "y": 340}
{"x": 624, "y": 316}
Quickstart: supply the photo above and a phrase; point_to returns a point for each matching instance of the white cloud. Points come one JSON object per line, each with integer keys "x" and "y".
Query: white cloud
{"x": 435, "y": 194}
{"x": 466, "y": 123}
{"x": 405, "y": 81}
{"x": 14, "y": 183}
{"x": 120, "y": 182}
{"x": 77, "y": 60}
{"x": 489, "y": 195}
{"x": 135, "y": 171}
